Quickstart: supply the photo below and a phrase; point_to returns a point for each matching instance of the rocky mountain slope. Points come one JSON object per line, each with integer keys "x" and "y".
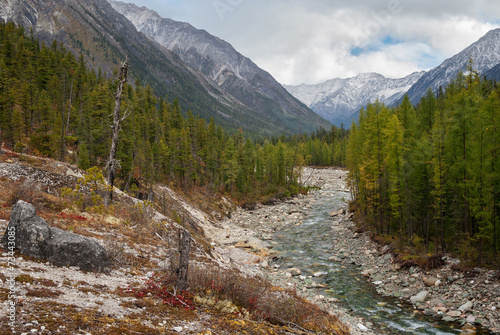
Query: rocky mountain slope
{"x": 226, "y": 68}
{"x": 339, "y": 100}
{"x": 485, "y": 54}
{"x": 105, "y": 37}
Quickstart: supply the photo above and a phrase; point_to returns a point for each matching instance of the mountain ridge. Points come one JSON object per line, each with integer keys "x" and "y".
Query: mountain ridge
{"x": 230, "y": 71}
{"x": 105, "y": 37}
{"x": 484, "y": 53}
{"x": 339, "y": 100}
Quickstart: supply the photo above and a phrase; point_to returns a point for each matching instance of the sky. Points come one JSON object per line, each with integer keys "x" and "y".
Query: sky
{"x": 311, "y": 41}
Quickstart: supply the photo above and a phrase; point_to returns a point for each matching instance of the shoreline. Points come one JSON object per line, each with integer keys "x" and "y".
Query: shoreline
{"x": 451, "y": 296}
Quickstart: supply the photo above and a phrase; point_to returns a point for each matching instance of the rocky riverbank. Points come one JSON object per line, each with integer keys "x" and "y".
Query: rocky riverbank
{"x": 467, "y": 301}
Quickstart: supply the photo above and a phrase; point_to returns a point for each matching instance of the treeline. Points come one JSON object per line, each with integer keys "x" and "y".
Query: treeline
{"x": 430, "y": 174}
{"x": 52, "y": 105}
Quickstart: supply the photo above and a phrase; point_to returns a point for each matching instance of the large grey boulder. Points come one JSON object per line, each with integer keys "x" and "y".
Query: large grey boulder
{"x": 30, "y": 231}
{"x": 68, "y": 249}
{"x": 34, "y": 238}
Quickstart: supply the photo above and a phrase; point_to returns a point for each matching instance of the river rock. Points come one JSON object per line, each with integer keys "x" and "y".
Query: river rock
{"x": 419, "y": 297}
{"x": 294, "y": 272}
{"x": 431, "y": 281}
{"x": 468, "y": 326}
{"x": 362, "y": 327}
{"x": 471, "y": 319}
{"x": 465, "y": 307}
{"x": 454, "y": 314}
{"x": 337, "y": 213}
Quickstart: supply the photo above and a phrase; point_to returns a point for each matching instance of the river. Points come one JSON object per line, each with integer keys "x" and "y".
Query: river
{"x": 310, "y": 246}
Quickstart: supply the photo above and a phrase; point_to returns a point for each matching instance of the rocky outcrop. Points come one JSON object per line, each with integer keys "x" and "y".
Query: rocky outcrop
{"x": 34, "y": 238}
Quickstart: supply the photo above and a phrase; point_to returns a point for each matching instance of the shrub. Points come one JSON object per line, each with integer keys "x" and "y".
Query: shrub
{"x": 89, "y": 190}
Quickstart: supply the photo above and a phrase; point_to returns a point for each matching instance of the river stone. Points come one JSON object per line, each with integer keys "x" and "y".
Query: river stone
{"x": 294, "y": 271}
{"x": 419, "y": 297}
{"x": 362, "y": 328}
{"x": 35, "y": 238}
{"x": 431, "y": 281}
{"x": 468, "y": 326}
{"x": 465, "y": 307}
{"x": 448, "y": 319}
{"x": 454, "y": 314}
{"x": 471, "y": 319}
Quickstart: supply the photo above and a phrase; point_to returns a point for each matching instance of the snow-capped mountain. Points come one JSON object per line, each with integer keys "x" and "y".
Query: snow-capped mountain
{"x": 226, "y": 68}
{"x": 339, "y": 100}
{"x": 485, "y": 54}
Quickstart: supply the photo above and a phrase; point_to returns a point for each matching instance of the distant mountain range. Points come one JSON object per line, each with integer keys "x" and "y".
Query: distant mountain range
{"x": 241, "y": 96}
{"x": 339, "y": 100}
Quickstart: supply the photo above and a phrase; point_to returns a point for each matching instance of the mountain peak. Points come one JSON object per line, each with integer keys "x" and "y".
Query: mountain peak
{"x": 228, "y": 70}
{"x": 339, "y": 100}
{"x": 485, "y": 54}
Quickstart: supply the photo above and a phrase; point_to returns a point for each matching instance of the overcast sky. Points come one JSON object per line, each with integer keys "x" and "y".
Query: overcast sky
{"x": 310, "y": 41}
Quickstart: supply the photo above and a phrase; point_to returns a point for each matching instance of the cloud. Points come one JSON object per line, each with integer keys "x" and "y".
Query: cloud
{"x": 300, "y": 41}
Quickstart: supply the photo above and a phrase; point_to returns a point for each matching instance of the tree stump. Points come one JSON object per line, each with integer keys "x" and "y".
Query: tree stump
{"x": 182, "y": 271}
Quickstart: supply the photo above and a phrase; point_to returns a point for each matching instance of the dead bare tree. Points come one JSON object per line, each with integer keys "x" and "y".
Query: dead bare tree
{"x": 182, "y": 271}
{"x": 112, "y": 163}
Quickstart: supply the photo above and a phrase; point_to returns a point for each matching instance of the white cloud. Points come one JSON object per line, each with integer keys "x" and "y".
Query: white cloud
{"x": 310, "y": 41}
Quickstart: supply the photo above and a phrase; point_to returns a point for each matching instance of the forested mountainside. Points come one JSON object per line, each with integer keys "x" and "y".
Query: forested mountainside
{"x": 52, "y": 105}
{"x": 230, "y": 71}
{"x": 105, "y": 37}
{"x": 430, "y": 176}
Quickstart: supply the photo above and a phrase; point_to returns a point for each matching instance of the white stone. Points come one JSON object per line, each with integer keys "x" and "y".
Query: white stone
{"x": 419, "y": 297}
{"x": 177, "y": 329}
{"x": 362, "y": 328}
{"x": 465, "y": 307}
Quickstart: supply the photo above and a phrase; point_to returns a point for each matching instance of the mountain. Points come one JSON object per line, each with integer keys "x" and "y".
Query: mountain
{"x": 105, "y": 37}
{"x": 493, "y": 73}
{"x": 231, "y": 72}
{"x": 485, "y": 54}
{"x": 339, "y": 100}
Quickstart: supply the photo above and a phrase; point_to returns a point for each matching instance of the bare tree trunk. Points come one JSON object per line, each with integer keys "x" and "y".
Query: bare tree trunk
{"x": 112, "y": 163}
{"x": 182, "y": 271}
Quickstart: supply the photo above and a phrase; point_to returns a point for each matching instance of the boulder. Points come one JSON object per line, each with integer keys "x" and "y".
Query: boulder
{"x": 294, "y": 271}
{"x": 34, "y": 238}
{"x": 431, "y": 281}
{"x": 30, "y": 231}
{"x": 68, "y": 249}
{"x": 465, "y": 307}
{"x": 419, "y": 297}
{"x": 337, "y": 213}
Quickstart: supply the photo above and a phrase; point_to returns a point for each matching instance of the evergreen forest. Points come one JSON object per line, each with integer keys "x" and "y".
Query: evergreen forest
{"x": 53, "y": 106}
{"x": 427, "y": 176}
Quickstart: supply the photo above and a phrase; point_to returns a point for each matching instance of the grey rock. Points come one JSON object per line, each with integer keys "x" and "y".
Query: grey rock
{"x": 34, "y": 238}
{"x": 30, "y": 231}
{"x": 294, "y": 271}
{"x": 419, "y": 297}
{"x": 431, "y": 281}
{"x": 465, "y": 307}
{"x": 68, "y": 249}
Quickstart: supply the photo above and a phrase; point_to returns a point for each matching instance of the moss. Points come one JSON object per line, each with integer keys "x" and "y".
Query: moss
{"x": 24, "y": 278}
{"x": 43, "y": 293}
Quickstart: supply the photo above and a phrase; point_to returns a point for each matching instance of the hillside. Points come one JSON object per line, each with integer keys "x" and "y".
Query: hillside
{"x": 226, "y": 292}
{"x": 485, "y": 54}
{"x": 231, "y": 72}
{"x": 105, "y": 38}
